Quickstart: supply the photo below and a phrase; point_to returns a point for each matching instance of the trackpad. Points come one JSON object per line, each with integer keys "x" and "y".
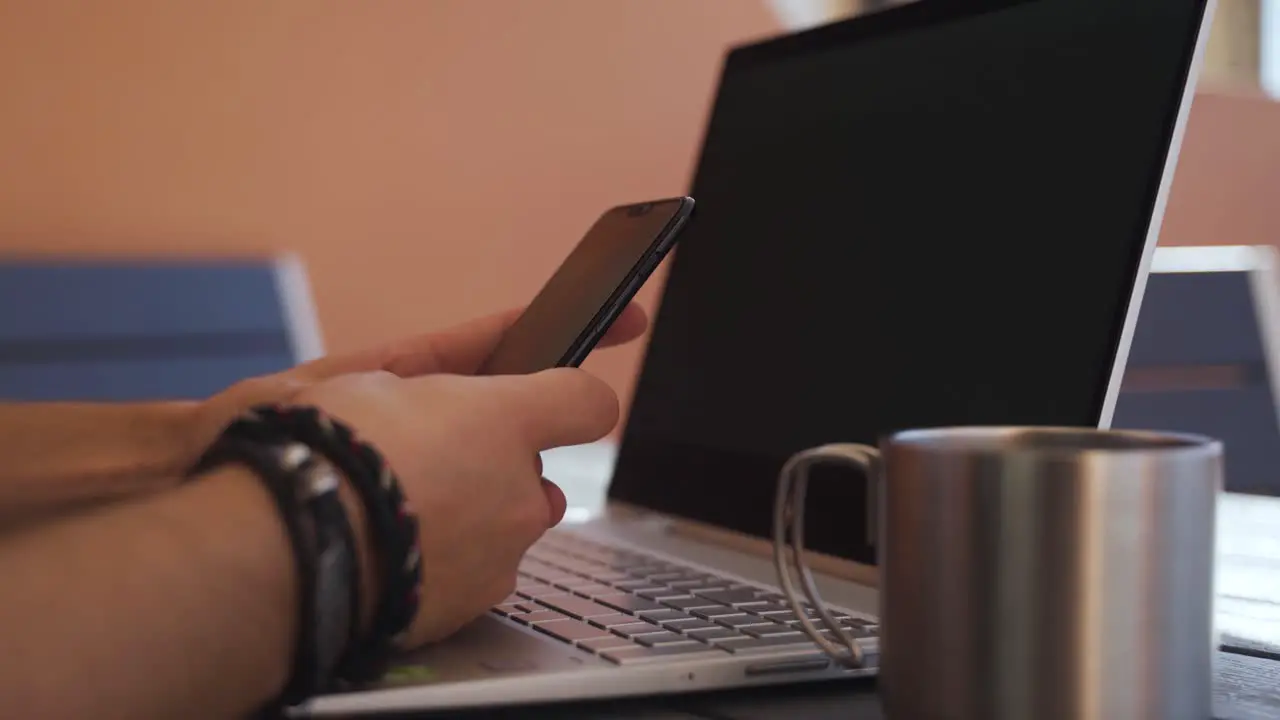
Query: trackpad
{"x": 486, "y": 648}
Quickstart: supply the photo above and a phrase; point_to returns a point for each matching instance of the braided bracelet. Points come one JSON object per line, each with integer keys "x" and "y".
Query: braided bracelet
{"x": 393, "y": 526}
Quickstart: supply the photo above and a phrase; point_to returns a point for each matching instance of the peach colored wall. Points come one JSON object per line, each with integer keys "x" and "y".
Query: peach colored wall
{"x": 431, "y": 159}
{"x": 1227, "y": 187}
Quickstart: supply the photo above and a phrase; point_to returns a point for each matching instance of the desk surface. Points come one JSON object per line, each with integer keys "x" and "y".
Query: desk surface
{"x": 1248, "y": 588}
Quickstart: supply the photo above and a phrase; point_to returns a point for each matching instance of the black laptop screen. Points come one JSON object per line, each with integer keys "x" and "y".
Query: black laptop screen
{"x": 932, "y": 216}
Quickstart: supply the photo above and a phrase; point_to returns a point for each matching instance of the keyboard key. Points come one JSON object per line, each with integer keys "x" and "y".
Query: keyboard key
{"x": 711, "y": 613}
{"x": 660, "y": 638}
{"x": 565, "y": 581}
{"x": 742, "y": 621}
{"x": 552, "y": 574}
{"x": 664, "y": 577}
{"x": 510, "y": 609}
{"x": 610, "y": 642}
{"x": 693, "y": 576}
{"x": 609, "y": 621}
{"x": 594, "y": 590}
{"x": 570, "y": 631}
{"x": 731, "y": 597}
{"x": 636, "y": 629}
{"x": 571, "y": 582}
{"x": 628, "y": 603}
{"x": 689, "y": 625}
{"x": 577, "y": 607}
{"x": 767, "y": 629}
{"x": 663, "y": 615}
{"x": 535, "y": 592}
{"x": 714, "y": 633}
{"x": 639, "y": 654}
{"x": 633, "y": 585}
{"x": 606, "y": 575}
{"x": 579, "y": 567}
{"x": 766, "y": 608}
{"x": 821, "y": 625}
{"x": 539, "y": 616}
{"x": 786, "y": 616}
{"x": 708, "y": 584}
{"x": 659, "y": 594}
{"x": 688, "y": 602}
{"x": 856, "y": 632}
{"x": 645, "y": 572}
{"x": 772, "y": 642}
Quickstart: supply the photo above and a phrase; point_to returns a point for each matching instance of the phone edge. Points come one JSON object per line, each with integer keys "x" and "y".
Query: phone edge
{"x": 596, "y": 329}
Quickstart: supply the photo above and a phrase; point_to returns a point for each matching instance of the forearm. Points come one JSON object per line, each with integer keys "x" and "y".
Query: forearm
{"x": 57, "y": 454}
{"x": 182, "y": 604}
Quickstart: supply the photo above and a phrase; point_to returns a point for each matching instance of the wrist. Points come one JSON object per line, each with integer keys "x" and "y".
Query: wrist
{"x": 179, "y": 441}
{"x": 154, "y": 441}
{"x": 334, "y": 563}
{"x": 350, "y": 527}
{"x": 144, "y": 444}
{"x": 262, "y": 579}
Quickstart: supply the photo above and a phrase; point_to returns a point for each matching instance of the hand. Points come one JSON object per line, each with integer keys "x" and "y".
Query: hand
{"x": 458, "y": 350}
{"x": 466, "y": 452}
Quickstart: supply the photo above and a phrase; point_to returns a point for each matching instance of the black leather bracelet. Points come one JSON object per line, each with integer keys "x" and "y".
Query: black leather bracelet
{"x": 305, "y": 489}
{"x": 393, "y": 526}
{"x": 395, "y": 531}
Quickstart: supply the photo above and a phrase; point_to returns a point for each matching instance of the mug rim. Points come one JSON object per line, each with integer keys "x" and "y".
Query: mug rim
{"x": 1088, "y": 440}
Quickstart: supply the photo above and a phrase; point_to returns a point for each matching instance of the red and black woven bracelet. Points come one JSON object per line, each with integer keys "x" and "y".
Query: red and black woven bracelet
{"x": 393, "y": 527}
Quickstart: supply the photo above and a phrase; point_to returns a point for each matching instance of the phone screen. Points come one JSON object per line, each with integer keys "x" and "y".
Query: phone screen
{"x": 584, "y": 296}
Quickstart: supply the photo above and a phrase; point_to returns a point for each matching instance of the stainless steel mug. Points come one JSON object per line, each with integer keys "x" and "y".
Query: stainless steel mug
{"x": 1029, "y": 573}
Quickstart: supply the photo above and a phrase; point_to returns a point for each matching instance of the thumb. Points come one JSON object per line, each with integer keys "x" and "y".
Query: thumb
{"x": 559, "y": 407}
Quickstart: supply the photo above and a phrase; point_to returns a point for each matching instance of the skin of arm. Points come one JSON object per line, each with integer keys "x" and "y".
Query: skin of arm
{"x": 156, "y": 607}
{"x": 56, "y": 457}
{"x": 62, "y": 455}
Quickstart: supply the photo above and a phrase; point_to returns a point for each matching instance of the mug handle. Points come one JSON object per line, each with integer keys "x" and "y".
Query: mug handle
{"x": 788, "y": 520}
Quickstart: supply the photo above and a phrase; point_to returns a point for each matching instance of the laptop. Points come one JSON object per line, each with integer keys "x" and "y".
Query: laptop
{"x": 939, "y": 214}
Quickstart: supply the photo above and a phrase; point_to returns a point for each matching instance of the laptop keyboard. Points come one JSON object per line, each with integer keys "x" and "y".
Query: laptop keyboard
{"x": 630, "y": 607}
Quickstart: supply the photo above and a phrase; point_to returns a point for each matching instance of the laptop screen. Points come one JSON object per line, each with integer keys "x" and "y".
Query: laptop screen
{"x": 931, "y": 216}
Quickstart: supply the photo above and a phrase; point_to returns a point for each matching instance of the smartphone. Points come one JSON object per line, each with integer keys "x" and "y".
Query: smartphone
{"x": 595, "y": 282}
